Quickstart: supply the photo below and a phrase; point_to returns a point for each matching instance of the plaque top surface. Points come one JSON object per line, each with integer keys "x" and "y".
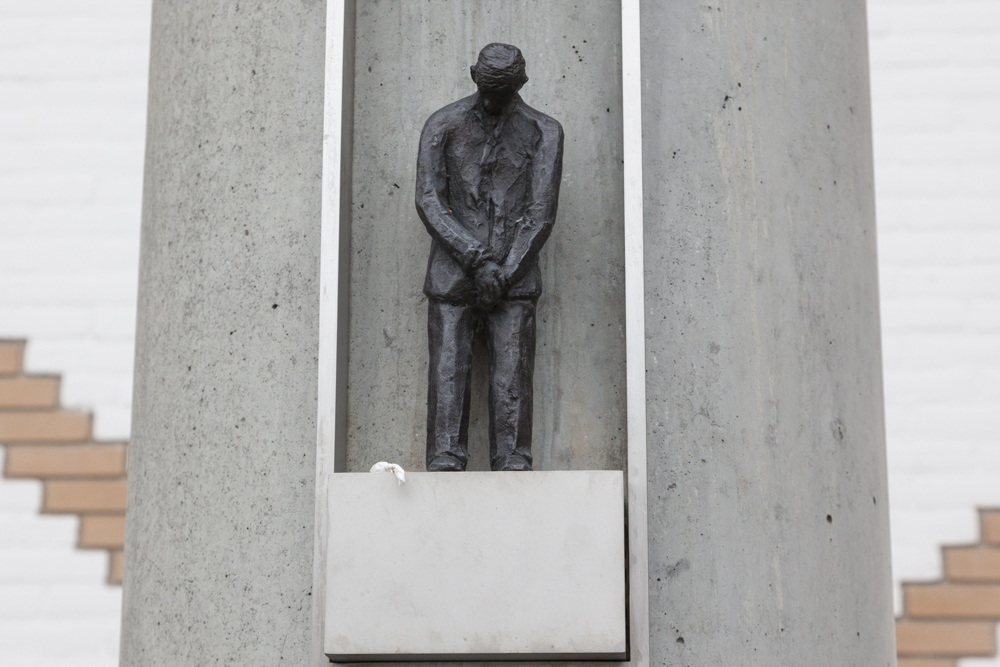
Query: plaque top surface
{"x": 476, "y": 565}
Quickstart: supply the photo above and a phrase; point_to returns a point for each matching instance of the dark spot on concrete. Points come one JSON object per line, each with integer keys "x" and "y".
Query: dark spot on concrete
{"x": 672, "y": 485}
{"x": 837, "y": 427}
{"x": 274, "y": 306}
{"x": 714, "y": 348}
{"x": 678, "y": 567}
{"x": 829, "y": 518}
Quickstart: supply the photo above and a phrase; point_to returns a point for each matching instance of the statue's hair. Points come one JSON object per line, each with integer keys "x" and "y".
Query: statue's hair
{"x": 500, "y": 66}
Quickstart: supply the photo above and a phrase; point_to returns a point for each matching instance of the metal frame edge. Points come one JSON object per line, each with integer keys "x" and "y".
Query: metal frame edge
{"x": 333, "y": 316}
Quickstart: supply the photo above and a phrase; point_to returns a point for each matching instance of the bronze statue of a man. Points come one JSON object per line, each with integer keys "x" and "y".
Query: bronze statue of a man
{"x": 488, "y": 175}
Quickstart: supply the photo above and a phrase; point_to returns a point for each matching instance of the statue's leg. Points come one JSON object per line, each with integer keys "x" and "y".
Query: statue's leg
{"x": 511, "y": 336}
{"x": 449, "y": 335}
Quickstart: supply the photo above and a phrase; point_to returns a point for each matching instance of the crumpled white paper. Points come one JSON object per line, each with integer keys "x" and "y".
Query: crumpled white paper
{"x": 394, "y": 468}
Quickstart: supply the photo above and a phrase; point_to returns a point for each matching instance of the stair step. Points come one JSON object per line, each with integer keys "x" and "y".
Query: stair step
{"x": 44, "y": 426}
{"x": 11, "y": 356}
{"x": 925, "y": 662}
{"x": 972, "y": 563}
{"x": 989, "y": 522}
{"x": 102, "y": 531}
{"x": 117, "y": 568}
{"x": 970, "y": 601}
{"x": 945, "y": 638}
{"x": 29, "y": 392}
{"x": 87, "y": 460}
{"x": 84, "y": 496}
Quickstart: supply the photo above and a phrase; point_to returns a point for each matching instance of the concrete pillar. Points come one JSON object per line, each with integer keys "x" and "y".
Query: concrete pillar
{"x": 219, "y": 551}
{"x": 768, "y": 522}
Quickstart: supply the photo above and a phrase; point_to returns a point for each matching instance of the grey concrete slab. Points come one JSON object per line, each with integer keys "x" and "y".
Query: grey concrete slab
{"x": 768, "y": 522}
{"x": 218, "y": 564}
{"x": 413, "y": 58}
{"x": 479, "y": 565}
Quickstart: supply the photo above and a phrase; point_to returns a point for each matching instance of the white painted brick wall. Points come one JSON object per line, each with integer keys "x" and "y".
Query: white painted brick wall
{"x": 72, "y": 106}
{"x": 54, "y": 604}
{"x": 72, "y": 126}
{"x": 936, "y": 105}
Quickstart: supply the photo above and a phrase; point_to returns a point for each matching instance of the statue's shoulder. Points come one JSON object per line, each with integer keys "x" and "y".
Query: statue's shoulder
{"x": 450, "y": 115}
{"x": 547, "y": 124}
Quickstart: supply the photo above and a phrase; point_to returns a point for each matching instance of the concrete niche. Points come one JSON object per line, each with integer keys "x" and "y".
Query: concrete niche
{"x": 411, "y": 59}
{"x": 481, "y": 565}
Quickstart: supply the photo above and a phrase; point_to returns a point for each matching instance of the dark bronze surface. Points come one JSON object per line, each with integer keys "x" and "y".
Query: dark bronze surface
{"x": 488, "y": 174}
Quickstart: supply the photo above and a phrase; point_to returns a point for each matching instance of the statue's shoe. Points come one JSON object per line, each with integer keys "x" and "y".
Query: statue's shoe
{"x": 445, "y": 464}
{"x": 511, "y": 463}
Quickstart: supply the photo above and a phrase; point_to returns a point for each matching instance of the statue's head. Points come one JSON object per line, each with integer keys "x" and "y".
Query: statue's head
{"x": 499, "y": 74}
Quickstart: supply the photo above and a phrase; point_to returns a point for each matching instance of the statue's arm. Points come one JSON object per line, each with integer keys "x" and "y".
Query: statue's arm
{"x": 432, "y": 201}
{"x": 541, "y": 213}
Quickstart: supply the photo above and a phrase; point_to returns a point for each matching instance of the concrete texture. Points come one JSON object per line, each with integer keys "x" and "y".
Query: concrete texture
{"x": 768, "y": 525}
{"x": 477, "y": 565}
{"x": 221, "y": 464}
{"x": 413, "y": 58}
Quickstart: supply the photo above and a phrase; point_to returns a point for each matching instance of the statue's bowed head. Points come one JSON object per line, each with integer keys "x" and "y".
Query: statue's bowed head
{"x": 499, "y": 74}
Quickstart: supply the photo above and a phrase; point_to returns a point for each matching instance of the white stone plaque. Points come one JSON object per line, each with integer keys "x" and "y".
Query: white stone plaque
{"x": 476, "y": 566}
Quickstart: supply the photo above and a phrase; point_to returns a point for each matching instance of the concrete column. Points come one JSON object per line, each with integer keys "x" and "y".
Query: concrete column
{"x": 219, "y": 550}
{"x": 767, "y": 498}
{"x": 768, "y": 522}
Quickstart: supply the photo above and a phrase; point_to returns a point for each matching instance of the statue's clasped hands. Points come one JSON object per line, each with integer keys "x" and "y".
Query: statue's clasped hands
{"x": 491, "y": 284}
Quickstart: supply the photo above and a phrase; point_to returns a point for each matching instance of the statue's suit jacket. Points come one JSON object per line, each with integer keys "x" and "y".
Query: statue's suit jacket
{"x": 487, "y": 189}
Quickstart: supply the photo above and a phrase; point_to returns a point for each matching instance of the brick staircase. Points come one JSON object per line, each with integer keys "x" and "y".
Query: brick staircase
{"x": 45, "y": 442}
{"x": 957, "y": 617}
